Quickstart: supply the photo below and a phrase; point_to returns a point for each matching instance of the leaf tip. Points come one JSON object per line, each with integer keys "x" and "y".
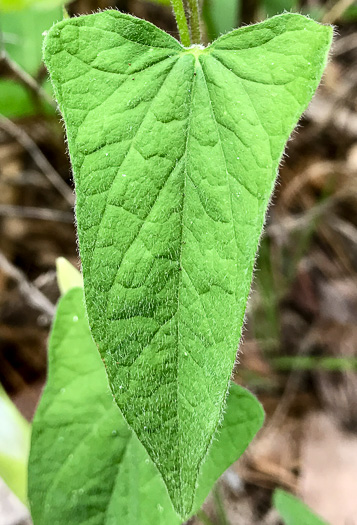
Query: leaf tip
{"x": 68, "y": 276}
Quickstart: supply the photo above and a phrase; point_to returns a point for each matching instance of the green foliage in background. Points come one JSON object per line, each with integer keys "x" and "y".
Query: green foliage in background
{"x": 22, "y": 36}
{"x": 162, "y": 2}
{"x": 350, "y": 14}
{"x": 40, "y": 5}
{"x": 14, "y": 447}
{"x": 274, "y": 7}
{"x": 86, "y": 465}
{"x": 293, "y": 511}
{"x": 175, "y": 153}
{"x": 220, "y": 16}
{"x": 332, "y": 364}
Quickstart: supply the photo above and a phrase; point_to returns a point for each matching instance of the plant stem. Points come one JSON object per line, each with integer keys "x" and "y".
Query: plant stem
{"x": 221, "y": 513}
{"x": 195, "y": 21}
{"x": 181, "y": 22}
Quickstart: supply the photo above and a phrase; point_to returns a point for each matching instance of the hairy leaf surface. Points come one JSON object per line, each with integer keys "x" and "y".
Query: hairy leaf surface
{"x": 293, "y": 511}
{"x": 86, "y": 466}
{"x": 175, "y": 153}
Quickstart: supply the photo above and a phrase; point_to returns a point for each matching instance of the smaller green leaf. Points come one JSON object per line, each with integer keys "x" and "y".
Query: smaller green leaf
{"x": 243, "y": 418}
{"x": 14, "y": 447}
{"x": 86, "y": 465}
{"x": 293, "y": 511}
{"x": 67, "y": 275}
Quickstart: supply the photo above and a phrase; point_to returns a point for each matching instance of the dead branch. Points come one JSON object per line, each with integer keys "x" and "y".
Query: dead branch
{"x": 34, "y": 151}
{"x": 32, "y": 294}
{"x": 32, "y": 212}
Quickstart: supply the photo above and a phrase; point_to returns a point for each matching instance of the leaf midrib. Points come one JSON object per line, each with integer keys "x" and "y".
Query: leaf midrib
{"x": 180, "y": 459}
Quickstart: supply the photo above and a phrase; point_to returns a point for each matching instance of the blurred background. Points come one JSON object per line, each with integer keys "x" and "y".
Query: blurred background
{"x": 299, "y": 350}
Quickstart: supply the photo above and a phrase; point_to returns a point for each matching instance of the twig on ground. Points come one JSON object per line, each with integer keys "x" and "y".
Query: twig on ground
{"x": 31, "y": 212}
{"x": 289, "y": 224}
{"x": 336, "y": 11}
{"x": 44, "y": 165}
{"x": 345, "y": 44}
{"x": 9, "y": 68}
{"x": 32, "y": 294}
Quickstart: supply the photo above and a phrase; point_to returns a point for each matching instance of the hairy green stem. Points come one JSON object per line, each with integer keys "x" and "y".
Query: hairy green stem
{"x": 181, "y": 22}
{"x": 221, "y": 513}
{"x": 195, "y": 21}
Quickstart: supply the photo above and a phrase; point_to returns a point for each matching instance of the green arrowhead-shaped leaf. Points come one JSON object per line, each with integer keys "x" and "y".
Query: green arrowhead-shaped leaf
{"x": 174, "y": 154}
{"x": 86, "y": 466}
{"x": 293, "y": 511}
